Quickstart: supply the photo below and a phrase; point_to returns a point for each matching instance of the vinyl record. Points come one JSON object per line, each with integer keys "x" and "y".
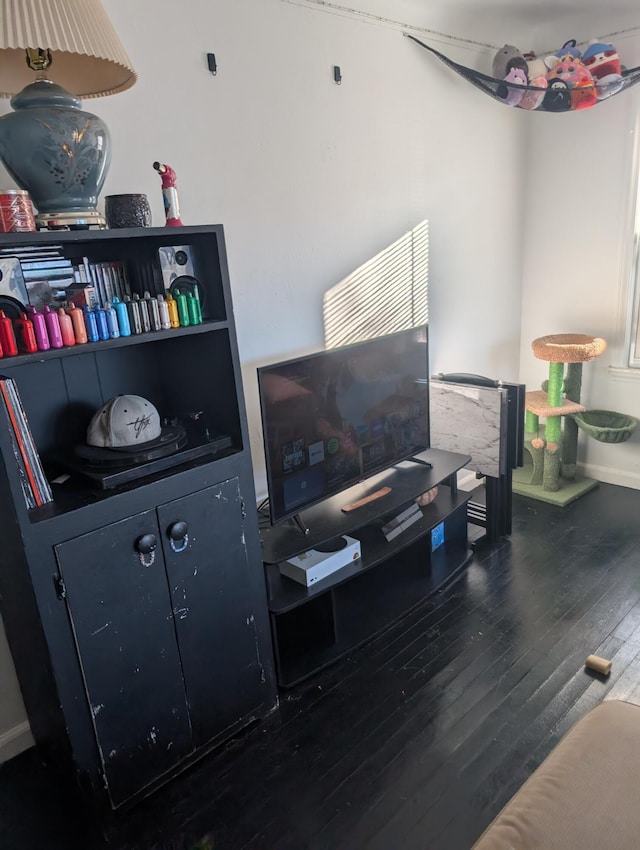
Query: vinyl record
{"x": 187, "y": 284}
{"x": 11, "y": 307}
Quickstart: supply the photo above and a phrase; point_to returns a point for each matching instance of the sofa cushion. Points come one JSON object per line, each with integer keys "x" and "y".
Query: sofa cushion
{"x": 584, "y": 796}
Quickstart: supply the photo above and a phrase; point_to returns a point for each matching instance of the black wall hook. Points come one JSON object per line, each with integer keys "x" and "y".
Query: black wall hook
{"x": 337, "y": 75}
{"x": 211, "y": 63}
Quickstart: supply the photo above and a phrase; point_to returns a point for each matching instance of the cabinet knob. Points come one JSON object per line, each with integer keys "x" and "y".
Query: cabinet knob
{"x": 178, "y": 535}
{"x": 178, "y": 530}
{"x": 146, "y": 546}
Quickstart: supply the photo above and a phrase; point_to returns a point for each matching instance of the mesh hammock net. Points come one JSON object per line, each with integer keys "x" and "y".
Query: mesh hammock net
{"x": 556, "y": 98}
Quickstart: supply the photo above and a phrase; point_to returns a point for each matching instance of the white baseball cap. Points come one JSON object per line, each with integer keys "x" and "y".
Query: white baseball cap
{"x": 124, "y": 422}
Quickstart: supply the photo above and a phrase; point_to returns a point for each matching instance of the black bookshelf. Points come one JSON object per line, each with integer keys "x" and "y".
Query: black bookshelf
{"x": 133, "y": 666}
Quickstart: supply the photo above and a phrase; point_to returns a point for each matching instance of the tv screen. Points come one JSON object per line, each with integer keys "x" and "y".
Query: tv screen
{"x": 336, "y": 417}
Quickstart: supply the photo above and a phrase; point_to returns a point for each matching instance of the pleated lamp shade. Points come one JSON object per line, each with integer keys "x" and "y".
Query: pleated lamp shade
{"x": 88, "y": 57}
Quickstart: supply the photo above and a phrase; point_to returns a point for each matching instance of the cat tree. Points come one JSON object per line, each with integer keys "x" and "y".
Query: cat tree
{"x": 553, "y": 448}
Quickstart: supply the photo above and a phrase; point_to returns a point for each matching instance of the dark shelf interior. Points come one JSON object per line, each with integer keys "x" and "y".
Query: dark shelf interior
{"x": 78, "y": 492}
{"x": 183, "y": 371}
{"x": 61, "y": 394}
{"x": 138, "y": 250}
{"x": 336, "y": 621}
{"x": 9, "y": 363}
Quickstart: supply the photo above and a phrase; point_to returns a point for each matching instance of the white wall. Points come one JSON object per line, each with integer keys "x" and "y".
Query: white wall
{"x": 311, "y": 179}
{"x": 15, "y": 734}
{"x": 576, "y": 257}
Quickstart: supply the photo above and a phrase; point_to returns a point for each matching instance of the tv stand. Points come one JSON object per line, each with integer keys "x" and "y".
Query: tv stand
{"x": 314, "y": 626}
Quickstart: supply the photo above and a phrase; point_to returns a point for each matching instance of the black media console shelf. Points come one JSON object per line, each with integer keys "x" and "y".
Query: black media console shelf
{"x": 312, "y": 627}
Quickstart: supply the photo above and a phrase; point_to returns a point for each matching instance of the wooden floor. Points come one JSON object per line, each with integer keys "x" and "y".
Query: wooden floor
{"x": 417, "y": 739}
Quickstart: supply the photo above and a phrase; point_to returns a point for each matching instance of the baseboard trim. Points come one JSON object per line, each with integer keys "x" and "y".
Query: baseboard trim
{"x": 468, "y": 480}
{"x": 15, "y": 741}
{"x": 608, "y": 475}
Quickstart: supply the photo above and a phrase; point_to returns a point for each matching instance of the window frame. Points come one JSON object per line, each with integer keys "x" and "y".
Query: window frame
{"x": 628, "y": 344}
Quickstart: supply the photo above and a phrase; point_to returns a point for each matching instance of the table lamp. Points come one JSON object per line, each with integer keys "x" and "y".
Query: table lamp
{"x": 52, "y": 52}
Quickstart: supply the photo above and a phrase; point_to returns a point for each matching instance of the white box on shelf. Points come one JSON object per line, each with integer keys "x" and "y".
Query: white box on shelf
{"x": 311, "y": 566}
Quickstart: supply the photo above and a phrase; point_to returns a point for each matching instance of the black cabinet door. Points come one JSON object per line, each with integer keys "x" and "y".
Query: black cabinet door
{"x": 203, "y": 537}
{"x": 121, "y": 615}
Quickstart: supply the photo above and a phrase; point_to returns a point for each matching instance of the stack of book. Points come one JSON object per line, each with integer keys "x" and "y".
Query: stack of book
{"x": 35, "y": 487}
{"x": 45, "y": 272}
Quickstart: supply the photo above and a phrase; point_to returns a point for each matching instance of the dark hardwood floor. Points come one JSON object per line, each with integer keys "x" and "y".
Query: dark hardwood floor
{"x": 417, "y": 739}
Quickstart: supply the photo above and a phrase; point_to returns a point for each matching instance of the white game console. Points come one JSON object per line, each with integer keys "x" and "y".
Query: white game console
{"x": 311, "y": 566}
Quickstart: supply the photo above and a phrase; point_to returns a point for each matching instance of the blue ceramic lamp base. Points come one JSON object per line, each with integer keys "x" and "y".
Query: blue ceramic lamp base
{"x": 59, "y": 153}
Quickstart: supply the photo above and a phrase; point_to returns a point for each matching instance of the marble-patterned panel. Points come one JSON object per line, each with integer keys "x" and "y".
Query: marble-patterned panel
{"x": 470, "y": 420}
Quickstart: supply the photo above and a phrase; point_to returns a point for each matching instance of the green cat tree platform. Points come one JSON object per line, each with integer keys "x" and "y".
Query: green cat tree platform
{"x": 549, "y": 473}
{"x": 569, "y": 490}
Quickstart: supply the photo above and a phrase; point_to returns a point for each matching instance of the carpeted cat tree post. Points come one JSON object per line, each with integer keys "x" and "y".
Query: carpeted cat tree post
{"x": 553, "y": 448}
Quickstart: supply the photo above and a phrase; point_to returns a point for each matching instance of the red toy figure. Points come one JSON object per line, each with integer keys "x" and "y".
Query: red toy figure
{"x": 169, "y": 194}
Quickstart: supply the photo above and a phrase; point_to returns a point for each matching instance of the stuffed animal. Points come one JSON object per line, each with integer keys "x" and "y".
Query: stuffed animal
{"x": 601, "y": 60}
{"x": 572, "y": 71}
{"x": 537, "y": 69}
{"x": 584, "y": 94}
{"x": 568, "y": 51}
{"x": 512, "y": 94}
{"x": 579, "y": 81}
{"x": 506, "y": 58}
{"x": 537, "y": 66}
{"x": 534, "y": 95}
{"x": 557, "y": 97}
{"x": 608, "y": 85}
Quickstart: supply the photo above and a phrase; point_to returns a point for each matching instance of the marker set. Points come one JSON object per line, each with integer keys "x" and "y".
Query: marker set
{"x": 72, "y": 325}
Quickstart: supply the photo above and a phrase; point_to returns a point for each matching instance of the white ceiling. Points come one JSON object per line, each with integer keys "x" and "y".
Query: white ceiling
{"x": 549, "y": 19}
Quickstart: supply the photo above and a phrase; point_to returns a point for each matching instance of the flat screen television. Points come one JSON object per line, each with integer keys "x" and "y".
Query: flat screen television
{"x": 334, "y": 418}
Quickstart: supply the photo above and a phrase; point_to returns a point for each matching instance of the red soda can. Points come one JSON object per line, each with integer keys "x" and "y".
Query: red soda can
{"x": 16, "y": 211}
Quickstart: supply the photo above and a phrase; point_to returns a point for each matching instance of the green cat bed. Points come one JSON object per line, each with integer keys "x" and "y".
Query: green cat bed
{"x": 606, "y": 426}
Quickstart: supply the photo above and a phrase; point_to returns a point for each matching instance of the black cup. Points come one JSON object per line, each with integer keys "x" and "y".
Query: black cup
{"x": 127, "y": 211}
